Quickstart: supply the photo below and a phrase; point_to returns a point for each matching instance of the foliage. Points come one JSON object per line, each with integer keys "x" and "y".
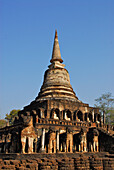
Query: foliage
{"x": 10, "y": 117}
{"x": 106, "y": 104}
{"x": 2, "y": 123}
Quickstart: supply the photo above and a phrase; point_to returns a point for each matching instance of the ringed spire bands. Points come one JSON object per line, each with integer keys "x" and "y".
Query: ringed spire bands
{"x": 56, "y": 82}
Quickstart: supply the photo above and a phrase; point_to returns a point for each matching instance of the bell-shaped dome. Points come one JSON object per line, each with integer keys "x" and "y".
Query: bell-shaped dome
{"x": 56, "y": 79}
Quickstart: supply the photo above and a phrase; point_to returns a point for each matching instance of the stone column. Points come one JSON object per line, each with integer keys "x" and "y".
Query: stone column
{"x": 93, "y": 115}
{"x": 85, "y": 143}
{"x": 57, "y": 141}
{"x": 41, "y": 114}
{"x": 30, "y": 145}
{"x": 23, "y": 142}
{"x": 69, "y": 142}
{"x": 81, "y": 145}
{"x": 94, "y": 149}
{"x": 85, "y": 146}
{"x": 79, "y": 148}
{"x": 48, "y": 113}
{"x": 91, "y": 148}
{"x": 43, "y": 140}
{"x": 65, "y": 147}
{"x": 65, "y": 115}
{"x": 97, "y": 145}
{"x": 36, "y": 118}
{"x": 52, "y": 142}
{"x": 61, "y": 147}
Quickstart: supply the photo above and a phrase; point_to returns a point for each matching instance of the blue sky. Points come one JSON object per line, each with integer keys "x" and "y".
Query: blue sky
{"x": 86, "y": 38}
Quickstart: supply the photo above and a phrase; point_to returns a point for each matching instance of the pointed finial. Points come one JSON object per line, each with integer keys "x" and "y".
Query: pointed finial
{"x": 56, "y": 55}
{"x": 56, "y": 36}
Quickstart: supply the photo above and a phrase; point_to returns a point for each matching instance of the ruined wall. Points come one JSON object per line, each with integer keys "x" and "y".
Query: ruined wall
{"x": 57, "y": 162}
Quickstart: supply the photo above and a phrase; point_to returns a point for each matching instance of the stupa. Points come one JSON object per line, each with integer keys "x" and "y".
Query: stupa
{"x": 57, "y": 121}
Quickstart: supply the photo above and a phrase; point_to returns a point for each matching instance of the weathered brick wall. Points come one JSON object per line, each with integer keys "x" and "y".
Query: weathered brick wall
{"x": 60, "y": 162}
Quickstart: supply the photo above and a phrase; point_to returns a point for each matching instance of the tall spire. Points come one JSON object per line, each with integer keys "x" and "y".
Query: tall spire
{"x": 56, "y": 82}
{"x": 56, "y": 55}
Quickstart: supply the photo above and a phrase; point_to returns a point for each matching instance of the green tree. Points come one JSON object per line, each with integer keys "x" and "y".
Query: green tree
{"x": 11, "y": 116}
{"x": 106, "y": 104}
{"x": 2, "y": 123}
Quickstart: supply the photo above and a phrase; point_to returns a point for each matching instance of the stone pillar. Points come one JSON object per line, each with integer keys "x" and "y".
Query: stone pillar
{"x": 41, "y": 113}
{"x": 61, "y": 147}
{"x": 36, "y": 118}
{"x": 97, "y": 145}
{"x": 83, "y": 142}
{"x": 94, "y": 149}
{"x": 85, "y": 146}
{"x": 81, "y": 145}
{"x": 48, "y": 113}
{"x": 23, "y": 142}
{"x": 43, "y": 141}
{"x": 91, "y": 148}
{"x": 65, "y": 148}
{"x": 69, "y": 142}
{"x": 30, "y": 145}
{"x": 57, "y": 141}
{"x": 52, "y": 142}
{"x": 93, "y": 115}
{"x": 65, "y": 115}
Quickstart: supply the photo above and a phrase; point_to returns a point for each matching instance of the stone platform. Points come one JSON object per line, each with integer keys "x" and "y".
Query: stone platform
{"x": 59, "y": 161}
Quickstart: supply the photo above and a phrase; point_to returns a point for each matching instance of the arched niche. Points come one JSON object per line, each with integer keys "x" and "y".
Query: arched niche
{"x": 55, "y": 114}
{"x": 90, "y": 116}
{"x": 67, "y": 115}
{"x": 80, "y": 115}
